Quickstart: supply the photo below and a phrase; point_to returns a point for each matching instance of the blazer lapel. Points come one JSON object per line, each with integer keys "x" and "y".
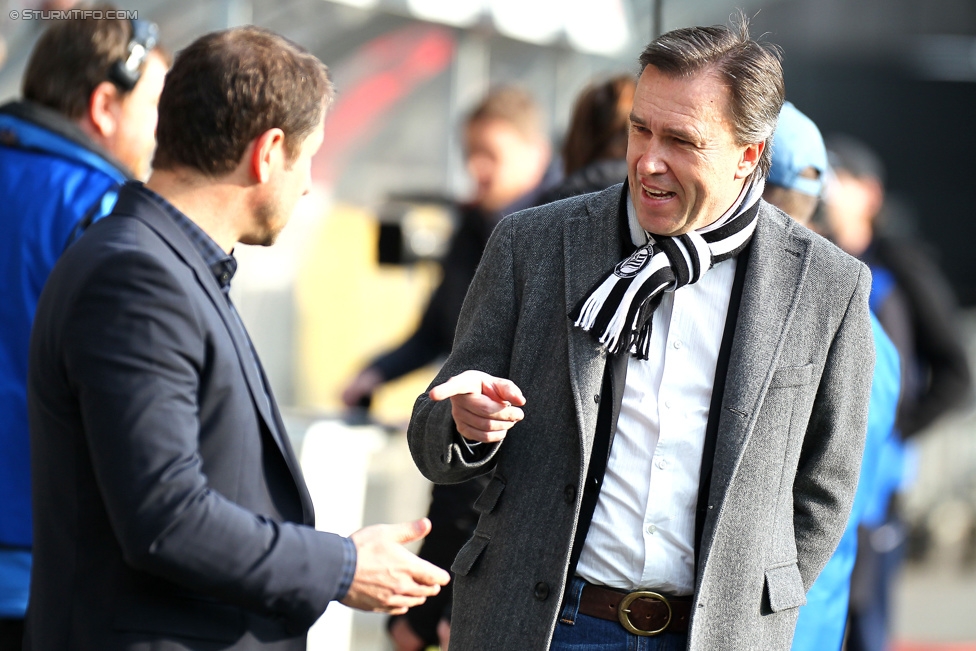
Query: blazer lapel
{"x": 308, "y": 510}
{"x": 134, "y": 205}
{"x": 257, "y": 382}
{"x": 778, "y": 268}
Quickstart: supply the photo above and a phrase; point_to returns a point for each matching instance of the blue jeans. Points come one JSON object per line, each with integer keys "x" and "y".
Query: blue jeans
{"x": 576, "y": 632}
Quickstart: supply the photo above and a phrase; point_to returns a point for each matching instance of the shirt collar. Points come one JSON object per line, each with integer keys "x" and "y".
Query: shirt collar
{"x": 223, "y": 265}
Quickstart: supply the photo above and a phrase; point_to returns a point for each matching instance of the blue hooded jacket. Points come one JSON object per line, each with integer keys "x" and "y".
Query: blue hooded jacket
{"x": 53, "y": 182}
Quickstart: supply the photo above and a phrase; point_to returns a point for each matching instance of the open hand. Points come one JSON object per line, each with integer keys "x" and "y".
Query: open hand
{"x": 388, "y": 578}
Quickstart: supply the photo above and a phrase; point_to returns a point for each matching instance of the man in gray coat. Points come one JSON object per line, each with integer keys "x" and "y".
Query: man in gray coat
{"x": 673, "y": 463}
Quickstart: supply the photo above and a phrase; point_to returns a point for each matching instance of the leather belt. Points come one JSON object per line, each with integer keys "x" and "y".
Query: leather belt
{"x": 642, "y": 613}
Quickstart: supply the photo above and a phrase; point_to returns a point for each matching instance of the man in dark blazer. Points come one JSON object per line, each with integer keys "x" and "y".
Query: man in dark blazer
{"x": 677, "y": 459}
{"x": 170, "y": 509}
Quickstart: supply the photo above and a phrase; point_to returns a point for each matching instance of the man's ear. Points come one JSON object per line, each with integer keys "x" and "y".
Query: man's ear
{"x": 104, "y": 109}
{"x": 267, "y": 153}
{"x": 750, "y": 159}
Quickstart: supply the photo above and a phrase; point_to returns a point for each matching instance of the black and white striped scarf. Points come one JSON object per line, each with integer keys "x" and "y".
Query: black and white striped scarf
{"x": 618, "y": 310}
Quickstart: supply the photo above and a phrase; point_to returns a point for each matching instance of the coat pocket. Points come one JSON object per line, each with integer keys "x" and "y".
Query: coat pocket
{"x": 785, "y": 587}
{"x": 489, "y": 496}
{"x": 791, "y": 376}
{"x": 470, "y": 554}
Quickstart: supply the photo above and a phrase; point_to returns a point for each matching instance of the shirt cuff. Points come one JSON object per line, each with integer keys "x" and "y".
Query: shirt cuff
{"x": 349, "y": 557}
{"x": 469, "y": 451}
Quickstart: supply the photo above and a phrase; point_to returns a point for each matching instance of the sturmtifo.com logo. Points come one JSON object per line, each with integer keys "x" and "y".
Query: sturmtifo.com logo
{"x": 74, "y": 14}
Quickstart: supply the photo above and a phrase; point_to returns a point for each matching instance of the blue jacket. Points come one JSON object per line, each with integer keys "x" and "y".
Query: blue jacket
{"x": 822, "y": 620}
{"x": 53, "y": 182}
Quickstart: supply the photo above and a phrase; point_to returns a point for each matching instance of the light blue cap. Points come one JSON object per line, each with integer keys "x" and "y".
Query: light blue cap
{"x": 797, "y": 145}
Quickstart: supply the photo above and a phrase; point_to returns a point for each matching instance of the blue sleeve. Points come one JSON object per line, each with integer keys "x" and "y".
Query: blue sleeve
{"x": 885, "y": 387}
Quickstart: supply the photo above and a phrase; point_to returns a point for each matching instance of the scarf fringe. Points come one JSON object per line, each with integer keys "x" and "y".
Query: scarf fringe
{"x": 585, "y": 314}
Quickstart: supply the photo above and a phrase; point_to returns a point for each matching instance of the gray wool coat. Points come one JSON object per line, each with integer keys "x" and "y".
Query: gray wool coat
{"x": 789, "y": 442}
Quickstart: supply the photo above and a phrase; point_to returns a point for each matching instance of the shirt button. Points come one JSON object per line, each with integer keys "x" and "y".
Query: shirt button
{"x": 677, "y": 343}
{"x": 661, "y": 463}
{"x": 596, "y": 398}
{"x": 667, "y": 404}
{"x": 651, "y": 529}
{"x": 570, "y": 494}
{"x": 541, "y": 590}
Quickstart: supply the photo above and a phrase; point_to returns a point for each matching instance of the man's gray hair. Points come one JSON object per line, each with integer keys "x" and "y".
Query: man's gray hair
{"x": 753, "y": 71}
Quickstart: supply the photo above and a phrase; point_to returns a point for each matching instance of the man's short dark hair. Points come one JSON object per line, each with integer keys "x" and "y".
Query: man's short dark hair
{"x": 753, "y": 71}
{"x": 513, "y": 105}
{"x": 227, "y": 88}
{"x": 845, "y": 153}
{"x": 71, "y": 58}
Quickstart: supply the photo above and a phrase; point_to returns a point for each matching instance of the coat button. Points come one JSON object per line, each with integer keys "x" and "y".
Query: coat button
{"x": 596, "y": 398}
{"x": 541, "y": 591}
{"x": 570, "y": 493}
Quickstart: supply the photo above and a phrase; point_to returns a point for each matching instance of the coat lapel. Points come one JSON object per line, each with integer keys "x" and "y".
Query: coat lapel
{"x": 590, "y": 249}
{"x": 778, "y": 267}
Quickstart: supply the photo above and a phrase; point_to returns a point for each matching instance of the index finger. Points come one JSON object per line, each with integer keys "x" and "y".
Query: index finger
{"x": 466, "y": 382}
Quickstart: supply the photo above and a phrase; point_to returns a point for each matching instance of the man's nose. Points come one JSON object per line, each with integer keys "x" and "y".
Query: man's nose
{"x": 651, "y": 162}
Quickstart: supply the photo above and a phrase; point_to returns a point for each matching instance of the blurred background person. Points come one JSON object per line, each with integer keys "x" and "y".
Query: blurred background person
{"x": 595, "y": 149}
{"x": 507, "y": 155}
{"x": 85, "y": 125}
{"x": 916, "y": 308}
{"x": 794, "y": 185}
{"x": 912, "y": 297}
{"x": 796, "y": 177}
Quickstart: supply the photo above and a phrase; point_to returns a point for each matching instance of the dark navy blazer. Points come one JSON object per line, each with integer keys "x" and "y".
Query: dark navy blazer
{"x": 171, "y": 512}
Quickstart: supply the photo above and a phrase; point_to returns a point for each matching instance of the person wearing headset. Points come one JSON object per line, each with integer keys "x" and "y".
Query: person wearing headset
{"x": 86, "y": 124}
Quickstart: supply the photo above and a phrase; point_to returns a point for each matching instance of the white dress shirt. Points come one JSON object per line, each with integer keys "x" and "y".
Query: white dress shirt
{"x": 642, "y": 535}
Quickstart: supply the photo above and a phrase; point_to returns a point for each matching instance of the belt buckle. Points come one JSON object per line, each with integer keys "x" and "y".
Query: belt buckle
{"x": 623, "y": 612}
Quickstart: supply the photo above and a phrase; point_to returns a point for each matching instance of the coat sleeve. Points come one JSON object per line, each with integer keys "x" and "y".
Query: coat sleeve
{"x": 135, "y": 352}
{"x": 830, "y": 461}
{"x": 483, "y": 341}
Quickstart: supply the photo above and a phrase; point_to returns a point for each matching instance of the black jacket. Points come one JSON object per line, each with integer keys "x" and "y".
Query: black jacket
{"x": 596, "y": 176}
{"x": 919, "y": 314}
{"x": 435, "y": 334}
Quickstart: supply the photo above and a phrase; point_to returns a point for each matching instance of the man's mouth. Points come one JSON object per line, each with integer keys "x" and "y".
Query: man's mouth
{"x": 656, "y": 194}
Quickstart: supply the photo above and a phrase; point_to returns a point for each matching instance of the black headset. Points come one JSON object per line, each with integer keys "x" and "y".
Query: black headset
{"x": 125, "y": 73}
